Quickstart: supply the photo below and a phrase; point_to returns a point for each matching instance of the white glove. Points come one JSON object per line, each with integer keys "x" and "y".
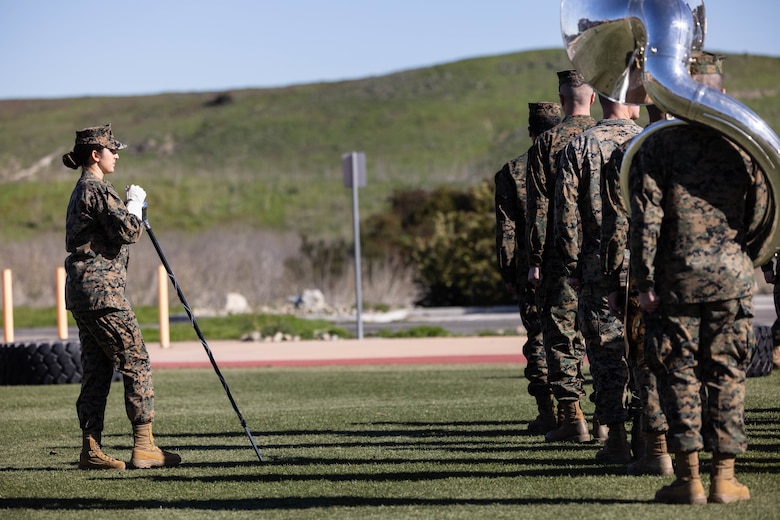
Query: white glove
{"x": 135, "y": 200}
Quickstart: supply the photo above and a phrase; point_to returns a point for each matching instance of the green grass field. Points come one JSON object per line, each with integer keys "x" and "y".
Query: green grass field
{"x": 346, "y": 442}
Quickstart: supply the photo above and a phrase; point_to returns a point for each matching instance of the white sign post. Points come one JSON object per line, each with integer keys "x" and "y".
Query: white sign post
{"x": 354, "y": 167}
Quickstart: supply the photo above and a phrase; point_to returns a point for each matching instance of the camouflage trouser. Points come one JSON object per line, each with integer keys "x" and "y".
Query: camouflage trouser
{"x": 533, "y": 349}
{"x": 606, "y": 349}
{"x": 111, "y": 339}
{"x": 699, "y": 353}
{"x": 644, "y": 381}
{"x": 563, "y": 343}
{"x": 776, "y": 324}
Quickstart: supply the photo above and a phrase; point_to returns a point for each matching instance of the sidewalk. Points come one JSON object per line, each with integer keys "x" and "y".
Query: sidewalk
{"x": 371, "y": 351}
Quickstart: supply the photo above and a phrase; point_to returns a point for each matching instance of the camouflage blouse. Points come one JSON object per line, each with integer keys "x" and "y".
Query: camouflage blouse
{"x": 541, "y": 175}
{"x": 696, "y": 201}
{"x": 614, "y": 222}
{"x": 578, "y": 206}
{"x": 98, "y": 230}
{"x": 510, "y": 221}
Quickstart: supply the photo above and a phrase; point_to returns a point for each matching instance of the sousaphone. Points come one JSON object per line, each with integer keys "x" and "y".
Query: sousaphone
{"x": 639, "y": 51}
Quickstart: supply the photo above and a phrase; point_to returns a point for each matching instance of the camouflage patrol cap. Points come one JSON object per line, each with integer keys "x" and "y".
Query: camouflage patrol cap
{"x": 571, "y": 77}
{"x": 703, "y": 62}
{"x": 100, "y": 135}
{"x": 544, "y": 109}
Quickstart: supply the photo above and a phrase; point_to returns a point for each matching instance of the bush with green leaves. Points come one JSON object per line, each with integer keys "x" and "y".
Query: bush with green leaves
{"x": 456, "y": 262}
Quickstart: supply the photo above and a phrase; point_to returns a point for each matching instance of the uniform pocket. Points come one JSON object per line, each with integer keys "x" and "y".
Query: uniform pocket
{"x": 743, "y": 330}
{"x": 664, "y": 342}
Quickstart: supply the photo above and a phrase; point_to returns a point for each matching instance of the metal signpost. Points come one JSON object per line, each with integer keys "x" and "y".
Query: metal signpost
{"x": 354, "y": 167}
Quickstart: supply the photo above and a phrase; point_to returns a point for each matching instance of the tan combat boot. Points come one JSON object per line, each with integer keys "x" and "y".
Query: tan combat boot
{"x": 656, "y": 460}
{"x": 600, "y": 431}
{"x": 573, "y": 427}
{"x": 724, "y": 487}
{"x": 92, "y": 456}
{"x": 616, "y": 449}
{"x": 687, "y": 488}
{"x": 546, "y": 420}
{"x": 145, "y": 453}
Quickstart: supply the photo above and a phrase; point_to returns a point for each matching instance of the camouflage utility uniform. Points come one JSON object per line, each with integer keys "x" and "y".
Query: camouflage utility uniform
{"x": 773, "y": 266}
{"x": 695, "y": 203}
{"x": 99, "y": 229}
{"x": 578, "y": 213}
{"x": 614, "y": 263}
{"x": 513, "y": 264}
{"x": 556, "y": 298}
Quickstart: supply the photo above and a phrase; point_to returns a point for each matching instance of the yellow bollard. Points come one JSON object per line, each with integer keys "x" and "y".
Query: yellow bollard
{"x": 162, "y": 295}
{"x": 62, "y": 313}
{"x": 8, "y": 307}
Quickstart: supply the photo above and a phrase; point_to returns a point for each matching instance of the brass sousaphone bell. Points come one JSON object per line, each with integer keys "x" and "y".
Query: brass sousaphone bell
{"x": 632, "y": 50}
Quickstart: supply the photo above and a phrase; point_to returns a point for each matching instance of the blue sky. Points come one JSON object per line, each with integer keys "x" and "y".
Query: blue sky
{"x": 60, "y": 48}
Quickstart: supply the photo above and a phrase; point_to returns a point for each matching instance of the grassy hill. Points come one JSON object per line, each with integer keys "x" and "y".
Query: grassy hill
{"x": 270, "y": 158}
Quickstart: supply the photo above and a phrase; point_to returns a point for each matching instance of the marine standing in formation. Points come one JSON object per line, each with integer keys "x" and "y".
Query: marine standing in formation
{"x": 510, "y": 198}
{"x": 696, "y": 200}
{"x": 648, "y": 438}
{"x": 99, "y": 228}
{"x": 557, "y": 300}
{"x": 771, "y": 272}
{"x": 578, "y": 234}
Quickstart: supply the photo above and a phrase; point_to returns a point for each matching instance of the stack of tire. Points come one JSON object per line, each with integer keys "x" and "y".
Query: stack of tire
{"x": 761, "y": 355}
{"x": 42, "y": 362}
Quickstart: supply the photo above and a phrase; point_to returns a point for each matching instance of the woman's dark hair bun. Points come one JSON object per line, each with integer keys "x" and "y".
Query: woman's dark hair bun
{"x": 69, "y": 161}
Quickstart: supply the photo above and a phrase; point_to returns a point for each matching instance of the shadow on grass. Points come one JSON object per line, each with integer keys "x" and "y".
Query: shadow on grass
{"x": 477, "y": 441}
{"x": 289, "y": 503}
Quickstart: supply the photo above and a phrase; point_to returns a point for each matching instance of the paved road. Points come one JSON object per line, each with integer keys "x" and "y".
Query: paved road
{"x": 471, "y": 321}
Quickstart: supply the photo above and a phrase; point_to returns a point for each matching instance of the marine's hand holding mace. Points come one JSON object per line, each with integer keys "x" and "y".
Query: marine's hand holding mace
{"x": 136, "y": 199}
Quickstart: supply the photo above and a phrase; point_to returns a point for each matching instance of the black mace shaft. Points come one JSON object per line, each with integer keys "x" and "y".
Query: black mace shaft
{"x": 183, "y": 300}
